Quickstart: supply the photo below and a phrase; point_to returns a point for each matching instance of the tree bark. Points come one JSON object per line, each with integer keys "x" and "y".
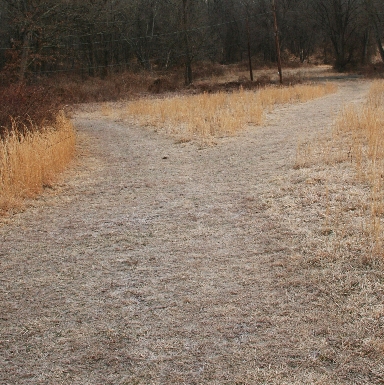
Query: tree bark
{"x": 24, "y": 55}
{"x": 249, "y": 51}
{"x": 187, "y": 53}
{"x": 277, "y": 41}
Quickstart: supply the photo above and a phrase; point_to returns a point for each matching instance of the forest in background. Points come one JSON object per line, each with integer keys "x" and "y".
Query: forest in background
{"x": 39, "y": 38}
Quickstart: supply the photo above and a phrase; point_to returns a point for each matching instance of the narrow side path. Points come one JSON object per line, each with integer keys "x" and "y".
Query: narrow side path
{"x": 159, "y": 263}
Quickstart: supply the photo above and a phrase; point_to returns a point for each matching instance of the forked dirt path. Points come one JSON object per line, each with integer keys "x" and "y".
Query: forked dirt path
{"x": 163, "y": 263}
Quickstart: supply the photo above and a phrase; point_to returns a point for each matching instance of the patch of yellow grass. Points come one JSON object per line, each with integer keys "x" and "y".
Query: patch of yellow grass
{"x": 358, "y": 138}
{"x": 299, "y": 93}
{"x": 30, "y": 162}
{"x": 361, "y": 132}
{"x": 106, "y": 109}
{"x": 220, "y": 114}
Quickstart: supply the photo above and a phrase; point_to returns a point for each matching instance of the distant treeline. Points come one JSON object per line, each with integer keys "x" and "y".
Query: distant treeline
{"x": 99, "y": 37}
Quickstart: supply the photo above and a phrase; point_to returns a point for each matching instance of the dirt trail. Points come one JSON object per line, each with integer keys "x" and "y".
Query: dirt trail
{"x": 162, "y": 263}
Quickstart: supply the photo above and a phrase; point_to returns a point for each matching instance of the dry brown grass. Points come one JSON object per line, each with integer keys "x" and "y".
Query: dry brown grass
{"x": 221, "y": 114}
{"x": 30, "y": 162}
{"x": 203, "y": 114}
{"x": 77, "y": 90}
{"x": 299, "y": 93}
{"x": 360, "y": 134}
{"x": 106, "y": 109}
{"x": 356, "y": 139}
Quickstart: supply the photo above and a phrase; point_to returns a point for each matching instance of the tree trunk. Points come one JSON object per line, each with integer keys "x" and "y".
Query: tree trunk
{"x": 249, "y": 51}
{"x": 374, "y": 16}
{"x": 364, "y": 57}
{"x": 277, "y": 42}
{"x": 188, "y": 60}
{"x": 24, "y": 56}
{"x": 339, "y": 46}
{"x": 379, "y": 42}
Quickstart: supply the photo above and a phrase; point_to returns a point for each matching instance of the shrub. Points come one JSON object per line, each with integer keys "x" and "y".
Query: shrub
{"x": 25, "y": 108}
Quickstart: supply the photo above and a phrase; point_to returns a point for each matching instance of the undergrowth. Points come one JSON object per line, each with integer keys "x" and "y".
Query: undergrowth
{"x": 26, "y": 108}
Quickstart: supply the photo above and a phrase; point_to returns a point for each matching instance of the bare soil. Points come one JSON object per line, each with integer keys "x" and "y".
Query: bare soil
{"x": 157, "y": 262}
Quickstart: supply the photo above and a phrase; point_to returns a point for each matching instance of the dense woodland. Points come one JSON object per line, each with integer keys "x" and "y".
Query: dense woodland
{"x": 100, "y": 37}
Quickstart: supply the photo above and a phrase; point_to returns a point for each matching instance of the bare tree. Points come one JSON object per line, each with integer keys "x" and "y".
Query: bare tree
{"x": 32, "y": 29}
{"x": 339, "y": 19}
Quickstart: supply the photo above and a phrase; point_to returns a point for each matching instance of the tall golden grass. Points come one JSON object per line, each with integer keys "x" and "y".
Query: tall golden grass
{"x": 30, "y": 162}
{"x": 212, "y": 115}
{"x": 361, "y": 129}
{"x": 361, "y": 132}
{"x": 357, "y": 138}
